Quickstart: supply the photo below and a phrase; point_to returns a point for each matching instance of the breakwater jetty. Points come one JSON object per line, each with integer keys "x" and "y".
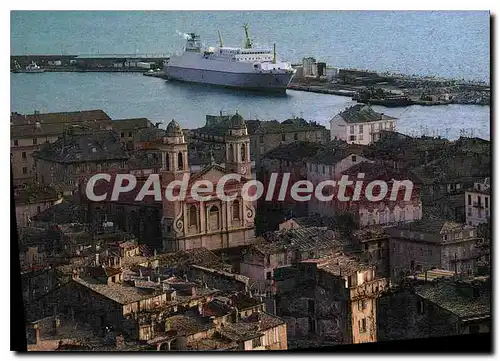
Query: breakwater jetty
{"x": 90, "y": 63}
{"x": 392, "y": 90}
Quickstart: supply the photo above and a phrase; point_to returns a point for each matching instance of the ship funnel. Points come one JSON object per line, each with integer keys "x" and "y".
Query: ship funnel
{"x": 221, "y": 44}
{"x": 248, "y": 41}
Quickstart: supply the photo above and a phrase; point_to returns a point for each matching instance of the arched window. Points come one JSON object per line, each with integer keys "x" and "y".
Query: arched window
{"x": 243, "y": 152}
{"x": 213, "y": 215}
{"x": 231, "y": 153}
{"x": 180, "y": 163}
{"x": 193, "y": 216}
{"x": 236, "y": 210}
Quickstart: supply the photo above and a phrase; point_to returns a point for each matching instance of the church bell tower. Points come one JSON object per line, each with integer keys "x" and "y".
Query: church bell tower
{"x": 238, "y": 147}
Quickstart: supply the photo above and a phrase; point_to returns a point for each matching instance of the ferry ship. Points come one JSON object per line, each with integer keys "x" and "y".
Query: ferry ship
{"x": 243, "y": 68}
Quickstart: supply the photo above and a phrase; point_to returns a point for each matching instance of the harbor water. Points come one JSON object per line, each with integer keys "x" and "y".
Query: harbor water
{"x": 130, "y": 95}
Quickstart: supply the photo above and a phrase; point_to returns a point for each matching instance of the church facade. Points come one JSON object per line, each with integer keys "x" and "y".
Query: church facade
{"x": 213, "y": 223}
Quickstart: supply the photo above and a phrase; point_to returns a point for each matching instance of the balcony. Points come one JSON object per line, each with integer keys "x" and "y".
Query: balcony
{"x": 371, "y": 289}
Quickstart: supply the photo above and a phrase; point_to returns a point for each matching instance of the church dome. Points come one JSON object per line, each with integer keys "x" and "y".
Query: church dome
{"x": 237, "y": 122}
{"x": 173, "y": 129}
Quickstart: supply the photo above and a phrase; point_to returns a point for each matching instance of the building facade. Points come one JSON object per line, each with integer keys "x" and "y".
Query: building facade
{"x": 212, "y": 223}
{"x": 360, "y": 124}
{"x": 478, "y": 203}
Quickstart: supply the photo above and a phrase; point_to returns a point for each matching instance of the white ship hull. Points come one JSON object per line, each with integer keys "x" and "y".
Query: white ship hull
{"x": 251, "y": 81}
{"x": 194, "y": 68}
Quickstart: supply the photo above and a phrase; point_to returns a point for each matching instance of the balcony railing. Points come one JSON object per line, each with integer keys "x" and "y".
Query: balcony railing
{"x": 370, "y": 289}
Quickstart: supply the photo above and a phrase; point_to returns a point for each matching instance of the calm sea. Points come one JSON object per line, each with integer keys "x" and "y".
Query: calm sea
{"x": 449, "y": 44}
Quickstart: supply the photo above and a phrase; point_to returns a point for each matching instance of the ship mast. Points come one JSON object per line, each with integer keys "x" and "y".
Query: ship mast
{"x": 220, "y": 39}
{"x": 248, "y": 41}
{"x": 274, "y": 53}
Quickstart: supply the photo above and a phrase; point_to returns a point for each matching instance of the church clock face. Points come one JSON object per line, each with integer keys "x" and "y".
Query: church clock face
{"x": 243, "y": 170}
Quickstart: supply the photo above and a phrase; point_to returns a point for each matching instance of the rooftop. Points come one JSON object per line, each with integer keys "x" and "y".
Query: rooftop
{"x": 455, "y": 298}
{"x": 334, "y": 152}
{"x": 34, "y": 193}
{"x": 65, "y": 212}
{"x": 295, "y": 151}
{"x": 434, "y": 226}
{"x": 198, "y": 256}
{"x": 301, "y": 239}
{"x": 339, "y": 264}
{"x": 250, "y": 327}
{"x": 55, "y": 129}
{"x": 361, "y": 113}
{"x": 89, "y": 147}
{"x": 131, "y": 124}
{"x": 289, "y": 125}
{"x": 62, "y": 117}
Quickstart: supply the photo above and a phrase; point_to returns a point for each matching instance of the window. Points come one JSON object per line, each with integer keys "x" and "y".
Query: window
{"x": 122, "y": 135}
{"x": 312, "y": 325}
{"x": 316, "y": 168}
{"x": 167, "y": 161}
{"x": 352, "y": 129}
{"x": 360, "y": 137}
{"x": 193, "y": 216}
{"x": 295, "y": 136}
{"x": 353, "y": 158}
{"x": 412, "y": 265}
{"x": 24, "y": 155}
{"x": 180, "y": 162}
{"x": 310, "y": 306}
{"x": 486, "y": 202}
{"x": 360, "y": 129}
{"x": 129, "y": 134}
{"x": 35, "y": 141}
{"x": 331, "y": 170}
{"x": 261, "y": 138}
{"x": 362, "y": 325}
{"x": 25, "y": 170}
{"x": 469, "y": 200}
{"x": 283, "y": 137}
{"x": 473, "y": 329}
{"x": 16, "y": 142}
{"x": 38, "y": 209}
{"x": 231, "y": 153}
{"x": 445, "y": 237}
{"x": 269, "y": 275}
{"x": 243, "y": 153}
{"x": 352, "y": 137}
{"x": 256, "y": 342}
{"x": 362, "y": 305}
{"x": 324, "y": 170}
{"x": 420, "y": 307}
{"x": 214, "y": 218}
{"x": 236, "y": 210}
